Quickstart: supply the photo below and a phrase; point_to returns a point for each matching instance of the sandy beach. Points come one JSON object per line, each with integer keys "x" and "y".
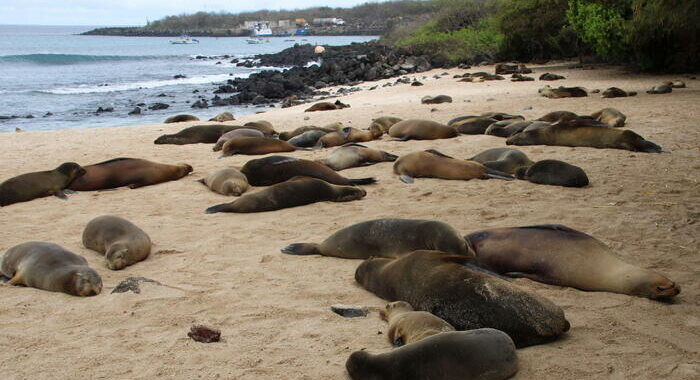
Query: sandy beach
{"x": 226, "y": 270}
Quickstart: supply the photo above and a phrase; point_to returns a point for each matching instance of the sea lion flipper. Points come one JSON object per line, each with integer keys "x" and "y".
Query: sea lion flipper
{"x": 301, "y": 249}
{"x": 201, "y": 180}
{"x": 16, "y": 279}
{"x": 438, "y": 153}
{"x": 406, "y": 179}
{"x": 354, "y": 144}
{"x": 69, "y": 191}
{"x": 492, "y": 173}
{"x": 218, "y": 208}
{"x": 61, "y": 195}
{"x": 362, "y": 181}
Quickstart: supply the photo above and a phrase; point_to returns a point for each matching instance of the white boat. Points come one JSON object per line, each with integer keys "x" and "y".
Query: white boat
{"x": 261, "y": 30}
{"x": 257, "y": 40}
{"x": 184, "y": 40}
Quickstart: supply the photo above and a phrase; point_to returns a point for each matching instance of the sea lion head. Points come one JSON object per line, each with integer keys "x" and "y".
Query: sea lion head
{"x": 117, "y": 256}
{"x": 524, "y": 138}
{"x": 361, "y": 366}
{"x": 634, "y": 142}
{"x": 376, "y": 130}
{"x": 656, "y": 287}
{"x": 350, "y": 193}
{"x": 71, "y": 170}
{"x": 395, "y": 307}
{"x": 365, "y": 274}
{"x": 85, "y": 282}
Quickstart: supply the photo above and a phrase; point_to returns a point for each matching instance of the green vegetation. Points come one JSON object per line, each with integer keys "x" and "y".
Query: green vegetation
{"x": 601, "y": 27}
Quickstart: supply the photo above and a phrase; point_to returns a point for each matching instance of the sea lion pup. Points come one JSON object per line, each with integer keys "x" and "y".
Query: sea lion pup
{"x": 327, "y": 106}
{"x": 661, "y": 89}
{"x": 207, "y": 134}
{"x": 610, "y": 117}
{"x": 614, "y": 92}
{"x": 275, "y": 169}
{"x": 436, "y": 99}
{"x": 255, "y": 145}
{"x": 348, "y": 135}
{"x": 558, "y": 255}
{"x": 506, "y": 128}
{"x": 562, "y": 92}
{"x": 353, "y": 155}
{"x": 506, "y": 160}
{"x": 474, "y": 125}
{"x": 28, "y": 186}
{"x": 418, "y": 129}
{"x": 132, "y": 172}
{"x": 121, "y": 242}
{"x": 248, "y": 132}
{"x": 385, "y": 122}
{"x": 564, "y": 134}
{"x": 433, "y": 164}
{"x": 327, "y": 128}
{"x": 386, "y": 238}
{"x": 227, "y": 181}
{"x": 49, "y": 267}
{"x": 263, "y": 126}
{"x": 550, "y": 76}
{"x": 295, "y": 192}
{"x": 307, "y": 139}
{"x": 553, "y": 172}
{"x": 222, "y": 117}
{"x": 441, "y": 284}
{"x": 407, "y": 325}
{"x": 180, "y": 118}
{"x": 483, "y": 354}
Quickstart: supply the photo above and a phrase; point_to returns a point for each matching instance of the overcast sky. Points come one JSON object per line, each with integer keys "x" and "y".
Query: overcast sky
{"x": 136, "y": 12}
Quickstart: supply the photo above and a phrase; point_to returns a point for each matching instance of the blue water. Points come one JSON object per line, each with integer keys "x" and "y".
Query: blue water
{"x": 51, "y": 69}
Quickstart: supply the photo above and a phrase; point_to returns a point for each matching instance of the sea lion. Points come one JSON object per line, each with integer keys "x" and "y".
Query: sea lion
{"x": 553, "y": 172}
{"x": 295, "y": 192}
{"x": 614, "y": 92}
{"x": 665, "y": 88}
{"x": 610, "y": 117}
{"x": 677, "y": 84}
{"x": 562, "y": 92}
{"x": 550, "y": 76}
{"x": 407, "y": 325}
{"x": 248, "y": 132}
{"x": 227, "y": 181}
{"x": 511, "y": 68}
{"x": 433, "y": 164}
{"x": 473, "y": 126}
{"x": 207, "y": 134}
{"x": 222, "y": 117}
{"x": 121, "y": 242}
{"x": 559, "y": 255}
{"x": 418, "y": 129}
{"x": 26, "y": 187}
{"x": 327, "y": 106}
{"x": 441, "y": 284}
{"x": 500, "y": 116}
{"x": 506, "y": 128}
{"x": 352, "y": 155}
{"x": 328, "y": 128}
{"x": 506, "y": 160}
{"x": 275, "y": 169}
{"x": 255, "y": 145}
{"x": 132, "y": 172}
{"x": 436, "y": 99}
{"x": 263, "y": 126}
{"x": 386, "y": 238}
{"x": 49, "y": 267}
{"x": 521, "y": 78}
{"x": 385, "y": 122}
{"x": 307, "y": 139}
{"x": 348, "y": 135}
{"x": 558, "y": 115}
{"x": 180, "y": 118}
{"x": 563, "y": 134}
{"x": 483, "y": 354}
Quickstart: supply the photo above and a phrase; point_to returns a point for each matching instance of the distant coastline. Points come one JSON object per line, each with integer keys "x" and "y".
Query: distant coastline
{"x": 137, "y": 31}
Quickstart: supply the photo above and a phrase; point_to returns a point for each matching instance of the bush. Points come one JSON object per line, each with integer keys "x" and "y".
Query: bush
{"x": 601, "y": 27}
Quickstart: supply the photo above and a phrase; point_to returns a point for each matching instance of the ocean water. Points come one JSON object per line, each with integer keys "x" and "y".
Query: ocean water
{"x": 61, "y": 78}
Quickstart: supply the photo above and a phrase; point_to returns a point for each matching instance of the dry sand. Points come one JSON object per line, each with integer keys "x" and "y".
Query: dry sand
{"x": 226, "y": 270}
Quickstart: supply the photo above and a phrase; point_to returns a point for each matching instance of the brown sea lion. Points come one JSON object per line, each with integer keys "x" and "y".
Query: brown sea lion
{"x": 559, "y": 115}
{"x": 307, "y": 139}
{"x": 222, "y": 117}
{"x": 286, "y": 136}
{"x": 553, "y": 172}
{"x": 665, "y": 88}
{"x": 255, "y": 145}
{"x": 49, "y": 267}
{"x": 207, "y": 134}
{"x": 327, "y": 106}
{"x": 436, "y": 99}
{"x": 614, "y": 92}
{"x": 500, "y": 116}
{"x": 563, "y": 134}
{"x": 562, "y": 92}
{"x": 275, "y": 169}
{"x": 263, "y": 126}
{"x": 559, "y": 255}
{"x": 248, "y": 132}
{"x": 433, "y": 164}
{"x": 386, "y": 238}
{"x": 407, "y": 326}
{"x": 180, "y": 118}
{"x": 506, "y": 128}
{"x": 521, "y": 78}
{"x": 348, "y": 135}
{"x": 550, "y": 76}
{"x": 121, "y": 242}
{"x": 441, "y": 284}
{"x": 384, "y": 122}
{"x": 511, "y": 68}
{"x": 34, "y": 185}
{"x": 353, "y": 155}
{"x": 418, "y": 129}
{"x": 227, "y": 181}
{"x": 677, "y": 84}
{"x": 132, "y": 172}
{"x": 295, "y": 192}
{"x": 481, "y": 354}
{"x": 610, "y": 117}
{"x": 506, "y": 160}
{"x": 473, "y": 126}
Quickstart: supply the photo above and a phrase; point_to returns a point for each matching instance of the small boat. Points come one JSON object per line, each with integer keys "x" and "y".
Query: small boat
{"x": 185, "y": 40}
{"x": 257, "y": 40}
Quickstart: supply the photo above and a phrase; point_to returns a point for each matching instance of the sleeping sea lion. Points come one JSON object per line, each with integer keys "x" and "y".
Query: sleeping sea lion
{"x": 550, "y": 76}
{"x": 385, "y": 122}
{"x": 441, "y": 284}
{"x": 553, "y": 172}
{"x": 352, "y": 155}
{"x": 610, "y": 117}
{"x": 327, "y": 106}
{"x": 436, "y": 99}
{"x": 121, "y": 242}
{"x": 507, "y": 128}
{"x": 26, "y": 187}
{"x": 254, "y": 146}
{"x": 417, "y": 129}
{"x": 49, "y": 267}
{"x": 407, "y": 326}
{"x": 614, "y": 92}
{"x": 248, "y": 132}
{"x": 295, "y": 192}
{"x": 222, "y": 117}
{"x": 481, "y": 354}
{"x": 275, "y": 169}
{"x": 307, "y": 139}
{"x": 665, "y": 88}
{"x": 296, "y": 132}
{"x": 474, "y": 125}
{"x": 386, "y": 238}
{"x": 433, "y": 164}
{"x": 132, "y": 172}
{"x": 500, "y": 116}
{"x": 263, "y": 126}
{"x": 227, "y": 181}
{"x": 207, "y": 134}
{"x": 559, "y": 255}
{"x": 562, "y": 92}
{"x": 506, "y": 160}
{"x": 555, "y": 116}
{"x": 348, "y": 135}
{"x": 180, "y": 118}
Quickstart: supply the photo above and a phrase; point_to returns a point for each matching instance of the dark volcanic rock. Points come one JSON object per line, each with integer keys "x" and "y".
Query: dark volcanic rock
{"x": 106, "y": 109}
{"x": 135, "y": 111}
{"x": 349, "y": 311}
{"x": 204, "y": 334}
{"x": 202, "y": 103}
{"x": 158, "y": 106}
